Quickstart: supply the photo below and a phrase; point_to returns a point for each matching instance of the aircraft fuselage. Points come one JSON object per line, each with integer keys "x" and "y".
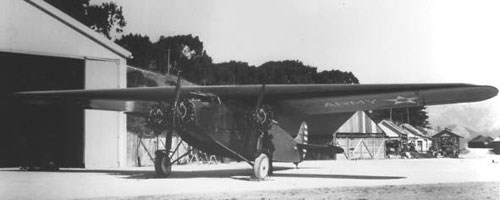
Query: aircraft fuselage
{"x": 227, "y": 123}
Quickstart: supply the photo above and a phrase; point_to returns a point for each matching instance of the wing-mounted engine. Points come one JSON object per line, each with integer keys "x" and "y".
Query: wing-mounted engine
{"x": 161, "y": 116}
{"x": 185, "y": 112}
{"x": 262, "y": 117}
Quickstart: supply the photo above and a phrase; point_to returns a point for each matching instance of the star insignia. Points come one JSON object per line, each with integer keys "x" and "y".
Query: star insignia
{"x": 401, "y": 100}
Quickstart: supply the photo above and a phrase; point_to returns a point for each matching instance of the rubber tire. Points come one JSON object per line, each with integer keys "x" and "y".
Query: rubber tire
{"x": 163, "y": 168}
{"x": 261, "y": 166}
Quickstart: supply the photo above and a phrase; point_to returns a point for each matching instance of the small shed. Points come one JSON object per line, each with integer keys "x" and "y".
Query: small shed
{"x": 395, "y": 137}
{"x": 447, "y": 143}
{"x": 480, "y": 142}
{"x": 418, "y": 137}
{"x": 361, "y": 138}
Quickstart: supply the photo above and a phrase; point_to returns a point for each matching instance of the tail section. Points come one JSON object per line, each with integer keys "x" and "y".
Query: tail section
{"x": 303, "y": 145}
{"x": 302, "y": 138}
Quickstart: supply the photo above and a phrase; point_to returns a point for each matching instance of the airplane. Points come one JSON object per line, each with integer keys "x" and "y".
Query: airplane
{"x": 258, "y": 124}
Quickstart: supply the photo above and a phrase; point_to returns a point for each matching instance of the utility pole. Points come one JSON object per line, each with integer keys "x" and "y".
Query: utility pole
{"x": 390, "y": 114}
{"x": 408, "y": 115}
{"x": 168, "y": 61}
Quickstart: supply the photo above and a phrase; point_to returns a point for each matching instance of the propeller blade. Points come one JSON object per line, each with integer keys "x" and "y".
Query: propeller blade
{"x": 177, "y": 90}
{"x": 261, "y": 96}
{"x": 177, "y": 94}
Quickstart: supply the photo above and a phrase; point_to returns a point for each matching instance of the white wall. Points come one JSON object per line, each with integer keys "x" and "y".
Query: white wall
{"x": 105, "y": 131}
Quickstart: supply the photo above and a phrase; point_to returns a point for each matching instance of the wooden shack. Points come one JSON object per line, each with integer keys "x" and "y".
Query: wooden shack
{"x": 446, "y": 143}
{"x": 396, "y": 138}
{"x": 418, "y": 137}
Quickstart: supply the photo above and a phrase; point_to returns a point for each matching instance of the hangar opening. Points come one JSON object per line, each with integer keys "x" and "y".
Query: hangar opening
{"x": 34, "y": 133}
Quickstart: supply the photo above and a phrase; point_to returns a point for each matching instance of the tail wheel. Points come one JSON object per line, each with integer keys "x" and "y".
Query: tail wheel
{"x": 261, "y": 166}
{"x": 163, "y": 167}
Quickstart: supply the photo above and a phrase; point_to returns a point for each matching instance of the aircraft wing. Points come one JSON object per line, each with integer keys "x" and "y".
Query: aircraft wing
{"x": 308, "y": 99}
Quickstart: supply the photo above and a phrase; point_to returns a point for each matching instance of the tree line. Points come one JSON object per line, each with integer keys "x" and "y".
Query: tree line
{"x": 166, "y": 56}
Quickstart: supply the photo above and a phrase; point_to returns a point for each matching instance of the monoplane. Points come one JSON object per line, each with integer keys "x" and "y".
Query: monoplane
{"x": 258, "y": 124}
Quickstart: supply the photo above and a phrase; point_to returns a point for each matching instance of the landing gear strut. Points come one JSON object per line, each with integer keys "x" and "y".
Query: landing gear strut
{"x": 163, "y": 161}
{"x": 263, "y": 164}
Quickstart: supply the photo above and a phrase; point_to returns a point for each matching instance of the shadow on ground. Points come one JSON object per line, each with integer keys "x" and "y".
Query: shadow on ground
{"x": 339, "y": 176}
{"x": 237, "y": 174}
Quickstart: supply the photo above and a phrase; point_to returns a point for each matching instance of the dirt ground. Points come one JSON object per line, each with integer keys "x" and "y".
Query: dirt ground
{"x": 473, "y": 176}
{"x": 455, "y": 191}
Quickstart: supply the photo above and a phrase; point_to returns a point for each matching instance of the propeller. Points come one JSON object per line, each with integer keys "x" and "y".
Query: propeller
{"x": 261, "y": 97}
{"x": 262, "y": 114}
{"x": 175, "y": 103}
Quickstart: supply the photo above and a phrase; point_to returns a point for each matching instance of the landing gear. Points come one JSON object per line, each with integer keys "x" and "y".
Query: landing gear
{"x": 261, "y": 166}
{"x": 163, "y": 167}
{"x": 296, "y": 165}
{"x": 164, "y": 161}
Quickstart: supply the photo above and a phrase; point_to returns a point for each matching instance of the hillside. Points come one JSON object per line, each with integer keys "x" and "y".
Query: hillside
{"x": 137, "y": 77}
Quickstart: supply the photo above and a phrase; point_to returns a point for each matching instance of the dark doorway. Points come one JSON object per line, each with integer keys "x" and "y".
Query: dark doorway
{"x": 34, "y": 133}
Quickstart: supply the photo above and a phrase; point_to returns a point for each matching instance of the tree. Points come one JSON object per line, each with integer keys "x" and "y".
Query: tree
{"x": 192, "y": 68}
{"x": 104, "y": 18}
{"x": 335, "y": 76}
{"x": 287, "y": 72}
{"x": 142, "y": 50}
{"x": 415, "y": 116}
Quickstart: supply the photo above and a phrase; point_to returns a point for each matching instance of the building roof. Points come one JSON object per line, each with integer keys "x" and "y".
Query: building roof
{"x": 359, "y": 122}
{"x": 414, "y": 131}
{"x": 446, "y": 131}
{"x": 481, "y": 139}
{"x": 391, "y": 129}
{"x": 79, "y": 27}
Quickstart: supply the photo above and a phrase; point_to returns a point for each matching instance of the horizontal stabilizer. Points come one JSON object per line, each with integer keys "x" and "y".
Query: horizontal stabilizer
{"x": 321, "y": 148}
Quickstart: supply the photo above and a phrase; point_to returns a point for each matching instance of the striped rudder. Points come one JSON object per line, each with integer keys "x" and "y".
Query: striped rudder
{"x": 302, "y": 137}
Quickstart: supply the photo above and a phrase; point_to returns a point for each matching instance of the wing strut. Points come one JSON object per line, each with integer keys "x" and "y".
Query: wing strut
{"x": 230, "y": 150}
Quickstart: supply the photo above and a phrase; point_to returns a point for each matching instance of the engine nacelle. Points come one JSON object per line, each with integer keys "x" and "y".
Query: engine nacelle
{"x": 161, "y": 117}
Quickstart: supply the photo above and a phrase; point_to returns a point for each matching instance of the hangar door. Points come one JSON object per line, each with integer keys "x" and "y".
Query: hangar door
{"x": 361, "y": 146}
{"x": 36, "y": 133}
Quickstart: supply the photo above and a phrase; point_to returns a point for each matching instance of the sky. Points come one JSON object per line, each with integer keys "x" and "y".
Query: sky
{"x": 391, "y": 41}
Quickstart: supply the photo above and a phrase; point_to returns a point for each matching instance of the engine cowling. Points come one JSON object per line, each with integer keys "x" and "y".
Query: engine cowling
{"x": 160, "y": 116}
{"x": 185, "y": 112}
{"x": 263, "y": 117}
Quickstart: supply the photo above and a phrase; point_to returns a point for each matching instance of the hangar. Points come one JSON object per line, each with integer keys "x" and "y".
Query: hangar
{"x": 41, "y": 48}
{"x": 361, "y": 138}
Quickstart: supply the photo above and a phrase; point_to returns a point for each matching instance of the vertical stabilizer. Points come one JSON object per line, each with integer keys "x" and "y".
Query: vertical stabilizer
{"x": 302, "y": 137}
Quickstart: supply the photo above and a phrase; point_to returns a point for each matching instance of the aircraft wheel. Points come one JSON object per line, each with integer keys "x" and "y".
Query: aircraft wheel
{"x": 163, "y": 167}
{"x": 261, "y": 166}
